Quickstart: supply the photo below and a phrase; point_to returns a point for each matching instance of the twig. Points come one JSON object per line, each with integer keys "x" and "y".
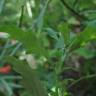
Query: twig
{"x": 82, "y": 78}
{"x": 79, "y": 16}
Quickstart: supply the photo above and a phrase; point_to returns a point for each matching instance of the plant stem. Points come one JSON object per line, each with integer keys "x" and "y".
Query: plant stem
{"x": 15, "y": 49}
{"x": 73, "y": 11}
{"x": 82, "y": 78}
{"x": 4, "y": 50}
{"x": 21, "y": 17}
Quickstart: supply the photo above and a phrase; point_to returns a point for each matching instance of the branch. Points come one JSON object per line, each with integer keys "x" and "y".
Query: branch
{"x": 82, "y": 78}
{"x": 73, "y": 11}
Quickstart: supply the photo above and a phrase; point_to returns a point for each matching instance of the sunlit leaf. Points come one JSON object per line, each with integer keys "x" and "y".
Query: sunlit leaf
{"x": 29, "y": 39}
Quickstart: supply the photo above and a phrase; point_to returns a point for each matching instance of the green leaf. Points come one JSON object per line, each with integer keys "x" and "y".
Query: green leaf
{"x": 63, "y": 28}
{"x": 8, "y": 89}
{"x": 60, "y": 43}
{"x": 86, "y": 53}
{"x": 40, "y": 19}
{"x": 52, "y": 33}
{"x": 30, "y": 79}
{"x": 29, "y": 39}
{"x": 1, "y": 5}
{"x": 83, "y": 38}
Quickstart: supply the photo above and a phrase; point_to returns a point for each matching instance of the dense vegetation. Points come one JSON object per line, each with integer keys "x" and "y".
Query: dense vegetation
{"x": 47, "y": 47}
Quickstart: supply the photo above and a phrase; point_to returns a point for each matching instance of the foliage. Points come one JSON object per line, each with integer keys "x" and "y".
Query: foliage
{"x": 60, "y": 35}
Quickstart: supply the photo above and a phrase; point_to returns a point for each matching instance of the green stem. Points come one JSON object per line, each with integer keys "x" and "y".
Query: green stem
{"x": 64, "y": 54}
{"x": 15, "y": 49}
{"x": 4, "y": 50}
{"x": 82, "y": 78}
{"x": 21, "y": 17}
